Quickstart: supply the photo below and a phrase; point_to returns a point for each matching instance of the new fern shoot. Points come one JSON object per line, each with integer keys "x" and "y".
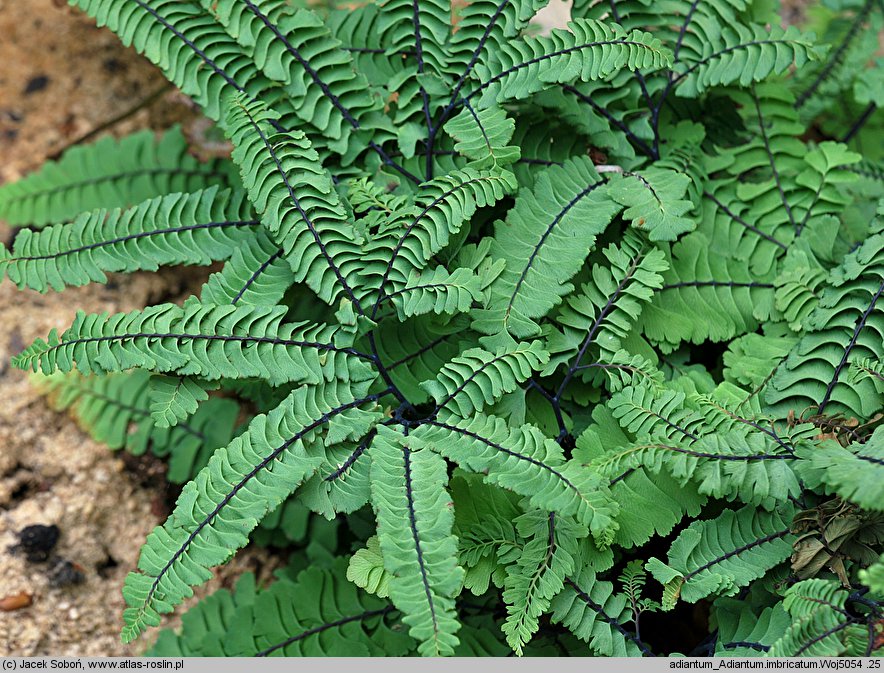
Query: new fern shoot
{"x": 536, "y": 338}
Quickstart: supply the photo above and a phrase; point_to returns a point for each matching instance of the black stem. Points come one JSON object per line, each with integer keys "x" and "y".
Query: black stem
{"x": 856, "y": 127}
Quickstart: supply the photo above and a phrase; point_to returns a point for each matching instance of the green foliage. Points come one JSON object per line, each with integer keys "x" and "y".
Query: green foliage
{"x": 197, "y": 228}
{"x": 501, "y": 316}
{"x": 110, "y": 174}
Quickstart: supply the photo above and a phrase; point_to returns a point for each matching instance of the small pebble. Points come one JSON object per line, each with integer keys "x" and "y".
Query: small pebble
{"x": 36, "y": 84}
{"x": 16, "y": 601}
{"x": 36, "y": 542}
{"x": 66, "y": 573}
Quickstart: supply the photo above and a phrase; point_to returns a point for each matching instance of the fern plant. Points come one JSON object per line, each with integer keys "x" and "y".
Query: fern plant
{"x": 549, "y": 327}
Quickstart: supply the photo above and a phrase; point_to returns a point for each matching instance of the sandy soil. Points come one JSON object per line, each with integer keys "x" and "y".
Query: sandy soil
{"x": 61, "y": 79}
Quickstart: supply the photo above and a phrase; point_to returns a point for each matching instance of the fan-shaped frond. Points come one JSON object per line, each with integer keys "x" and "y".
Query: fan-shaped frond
{"x": 227, "y": 499}
{"x": 546, "y": 558}
{"x": 207, "y": 341}
{"x": 109, "y": 174}
{"x": 566, "y": 205}
{"x": 587, "y": 50}
{"x": 718, "y": 556}
{"x": 523, "y": 460}
{"x": 477, "y": 377}
{"x": 414, "y": 529}
{"x": 196, "y": 228}
{"x": 417, "y": 349}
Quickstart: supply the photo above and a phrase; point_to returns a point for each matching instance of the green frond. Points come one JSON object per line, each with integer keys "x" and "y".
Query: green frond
{"x": 537, "y": 242}
{"x": 523, "y": 460}
{"x": 174, "y": 398}
{"x": 257, "y": 273}
{"x": 733, "y": 465}
{"x": 744, "y": 54}
{"x": 414, "y": 234}
{"x": 845, "y": 326}
{"x": 415, "y": 522}
{"x": 819, "y": 620}
{"x": 227, "y": 499}
{"x": 417, "y": 349}
{"x": 705, "y": 296}
{"x": 296, "y": 49}
{"x": 297, "y": 201}
{"x": 421, "y": 28}
{"x": 867, "y": 368}
{"x": 595, "y": 321}
{"x": 625, "y": 369}
{"x": 110, "y": 174}
{"x": 214, "y": 626}
{"x": 718, "y": 556}
{"x": 589, "y": 608}
{"x": 320, "y": 613}
{"x": 437, "y": 291}
{"x": 751, "y": 358}
{"x": 873, "y": 576}
{"x": 492, "y": 308}
{"x": 359, "y": 34}
{"x": 853, "y": 40}
{"x": 484, "y": 517}
{"x": 290, "y": 523}
{"x": 746, "y": 632}
{"x": 654, "y": 201}
{"x": 211, "y": 342}
{"x": 482, "y": 136}
{"x": 546, "y": 558}
{"x": 798, "y": 287}
{"x": 854, "y": 472}
{"x": 483, "y": 28}
{"x": 648, "y": 503}
{"x": 545, "y": 141}
{"x": 477, "y": 377}
{"x": 196, "y": 228}
{"x": 366, "y": 569}
{"x": 587, "y": 50}
{"x": 650, "y": 414}
{"x": 480, "y": 637}
{"x": 276, "y": 621}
